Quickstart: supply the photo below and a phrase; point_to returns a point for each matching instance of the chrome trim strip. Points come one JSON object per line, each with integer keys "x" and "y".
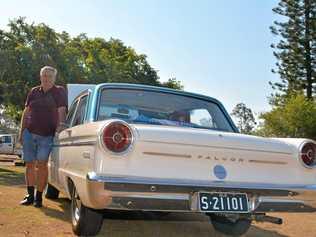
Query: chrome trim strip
{"x": 166, "y": 154}
{"x": 189, "y": 156}
{"x": 154, "y": 194}
{"x": 179, "y": 205}
{"x": 142, "y": 184}
{"x": 150, "y": 204}
{"x": 284, "y": 205}
{"x": 89, "y": 143}
{"x": 216, "y": 147}
{"x": 164, "y": 196}
{"x": 268, "y": 162}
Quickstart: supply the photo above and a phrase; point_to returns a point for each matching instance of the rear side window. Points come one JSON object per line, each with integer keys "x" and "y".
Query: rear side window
{"x": 71, "y": 112}
{"x": 81, "y": 111}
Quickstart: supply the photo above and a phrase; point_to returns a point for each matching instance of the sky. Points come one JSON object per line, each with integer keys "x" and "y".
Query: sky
{"x": 216, "y": 48}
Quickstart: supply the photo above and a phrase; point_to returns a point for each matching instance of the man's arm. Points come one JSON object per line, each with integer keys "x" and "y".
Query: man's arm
{"x": 61, "y": 118}
{"x": 25, "y": 114}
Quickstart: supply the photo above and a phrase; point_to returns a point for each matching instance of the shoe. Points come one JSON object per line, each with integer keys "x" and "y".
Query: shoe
{"x": 28, "y": 200}
{"x": 38, "y": 203}
{"x": 38, "y": 199}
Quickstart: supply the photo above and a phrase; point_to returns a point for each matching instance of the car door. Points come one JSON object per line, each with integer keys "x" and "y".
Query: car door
{"x": 60, "y": 142}
{"x": 68, "y": 152}
{"x": 71, "y": 155}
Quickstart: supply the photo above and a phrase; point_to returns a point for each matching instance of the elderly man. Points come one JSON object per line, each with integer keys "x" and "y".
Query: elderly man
{"x": 43, "y": 116}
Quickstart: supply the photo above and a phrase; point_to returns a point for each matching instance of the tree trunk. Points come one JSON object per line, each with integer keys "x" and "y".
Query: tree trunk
{"x": 307, "y": 47}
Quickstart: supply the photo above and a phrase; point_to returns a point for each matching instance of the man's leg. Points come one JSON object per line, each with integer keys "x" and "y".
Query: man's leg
{"x": 44, "y": 149}
{"x": 30, "y": 183}
{"x": 30, "y": 173}
{"x": 42, "y": 173}
{"x": 29, "y": 156}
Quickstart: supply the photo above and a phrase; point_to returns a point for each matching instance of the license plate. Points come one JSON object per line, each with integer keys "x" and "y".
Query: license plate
{"x": 223, "y": 202}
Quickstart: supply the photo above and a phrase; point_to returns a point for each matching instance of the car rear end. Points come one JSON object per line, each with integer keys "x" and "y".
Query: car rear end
{"x": 159, "y": 164}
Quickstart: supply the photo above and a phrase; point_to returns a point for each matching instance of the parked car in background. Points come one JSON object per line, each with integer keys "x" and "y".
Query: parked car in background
{"x": 9, "y": 145}
{"x": 135, "y": 147}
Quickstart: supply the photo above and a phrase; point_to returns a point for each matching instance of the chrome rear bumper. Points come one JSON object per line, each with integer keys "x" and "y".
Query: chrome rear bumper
{"x": 152, "y": 194}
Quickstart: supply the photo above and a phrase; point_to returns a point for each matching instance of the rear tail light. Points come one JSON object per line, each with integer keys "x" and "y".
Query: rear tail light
{"x": 117, "y": 137}
{"x": 308, "y": 154}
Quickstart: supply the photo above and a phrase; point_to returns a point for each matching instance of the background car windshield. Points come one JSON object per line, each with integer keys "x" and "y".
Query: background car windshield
{"x": 149, "y": 107}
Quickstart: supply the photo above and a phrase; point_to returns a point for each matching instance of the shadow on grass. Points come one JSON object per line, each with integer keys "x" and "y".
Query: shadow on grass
{"x": 63, "y": 214}
{"x": 173, "y": 225}
{"x": 259, "y": 232}
{"x": 9, "y": 177}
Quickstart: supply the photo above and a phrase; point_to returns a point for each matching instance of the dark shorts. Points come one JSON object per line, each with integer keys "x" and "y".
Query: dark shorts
{"x": 36, "y": 147}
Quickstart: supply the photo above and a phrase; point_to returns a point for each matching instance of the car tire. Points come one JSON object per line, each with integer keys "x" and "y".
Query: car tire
{"x": 51, "y": 192}
{"x": 226, "y": 226}
{"x": 85, "y": 221}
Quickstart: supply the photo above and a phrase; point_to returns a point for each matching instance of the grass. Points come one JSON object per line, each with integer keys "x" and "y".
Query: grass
{"x": 11, "y": 176}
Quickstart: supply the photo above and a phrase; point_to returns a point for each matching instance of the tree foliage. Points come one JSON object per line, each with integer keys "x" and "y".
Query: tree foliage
{"x": 7, "y": 124}
{"x": 245, "y": 119}
{"x": 296, "y": 50}
{"x": 173, "y": 83}
{"x": 295, "y": 118}
{"x": 294, "y": 109}
{"x": 25, "y": 48}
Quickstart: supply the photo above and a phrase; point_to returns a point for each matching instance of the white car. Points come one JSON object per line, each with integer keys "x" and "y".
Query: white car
{"x": 135, "y": 147}
{"x": 9, "y": 145}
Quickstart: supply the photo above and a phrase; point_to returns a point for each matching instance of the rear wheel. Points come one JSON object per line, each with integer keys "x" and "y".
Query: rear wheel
{"x": 230, "y": 226}
{"x": 85, "y": 221}
{"x": 51, "y": 192}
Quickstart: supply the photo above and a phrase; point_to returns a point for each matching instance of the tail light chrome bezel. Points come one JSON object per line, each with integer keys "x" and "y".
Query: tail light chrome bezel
{"x": 131, "y": 130}
{"x": 301, "y": 153}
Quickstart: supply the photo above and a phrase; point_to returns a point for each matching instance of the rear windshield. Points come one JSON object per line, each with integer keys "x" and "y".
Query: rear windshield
{"x": 160, "y": 108}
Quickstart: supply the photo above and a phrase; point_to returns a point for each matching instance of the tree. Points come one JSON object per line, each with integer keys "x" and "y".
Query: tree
{"x": 173, "y": 83}
{"x": 25, "y": 48}
{"x": 7, "y": 125}
{"x": 296, "y": 50}
{"x": 296, "y": 118}
{"x": 245, "y": 119}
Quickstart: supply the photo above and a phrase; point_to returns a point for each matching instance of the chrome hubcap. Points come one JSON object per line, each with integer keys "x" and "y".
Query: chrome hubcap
{"x": 76, "y": 207}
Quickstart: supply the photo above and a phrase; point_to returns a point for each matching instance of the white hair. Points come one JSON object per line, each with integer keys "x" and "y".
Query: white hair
{"x": 49, "y": 68}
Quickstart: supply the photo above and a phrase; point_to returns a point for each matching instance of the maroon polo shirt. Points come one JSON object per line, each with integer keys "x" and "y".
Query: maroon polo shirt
{"x": 43, "y": 116}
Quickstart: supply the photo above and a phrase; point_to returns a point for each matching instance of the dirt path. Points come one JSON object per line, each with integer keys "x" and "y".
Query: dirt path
{"x": 54, "y": 220}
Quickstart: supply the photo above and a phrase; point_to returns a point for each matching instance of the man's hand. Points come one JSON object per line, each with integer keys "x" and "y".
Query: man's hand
{"x": 24, "y": 117}
{"x": 20, "y": 138}
{"x": 60, "y": 128}
{"x": 61, "y": 119}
